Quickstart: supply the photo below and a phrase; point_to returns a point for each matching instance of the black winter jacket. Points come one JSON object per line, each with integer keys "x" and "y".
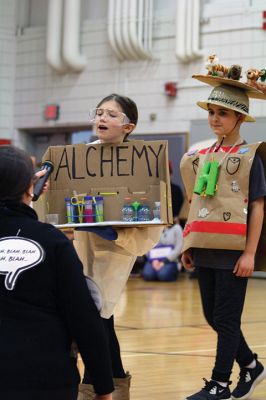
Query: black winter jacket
{"x": 44, "y": 305}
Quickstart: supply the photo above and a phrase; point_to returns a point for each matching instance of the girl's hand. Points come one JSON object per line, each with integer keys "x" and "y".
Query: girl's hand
{"x": 38, "y": 175}
{"x": 103, "y": 397}
{"x": 187, "y": 260}
{"x": 157, "y": 265}
{"x": 245, "y": 265}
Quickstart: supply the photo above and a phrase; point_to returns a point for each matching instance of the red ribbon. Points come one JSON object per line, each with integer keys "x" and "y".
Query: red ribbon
{"x": 227, "y": 228}
{"x": 224, "y": 149}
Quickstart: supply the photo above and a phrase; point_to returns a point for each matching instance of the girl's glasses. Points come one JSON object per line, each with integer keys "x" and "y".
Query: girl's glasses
{"x": 97, "y": 113}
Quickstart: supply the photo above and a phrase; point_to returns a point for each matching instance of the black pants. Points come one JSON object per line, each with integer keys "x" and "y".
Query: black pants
{"x": 64, "y": 394}
{"x": 114, "y": 348}
{"x": 223, "y": 297}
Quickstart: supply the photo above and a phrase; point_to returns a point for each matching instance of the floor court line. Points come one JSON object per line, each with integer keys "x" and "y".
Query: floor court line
{"x": 144, "y": 354}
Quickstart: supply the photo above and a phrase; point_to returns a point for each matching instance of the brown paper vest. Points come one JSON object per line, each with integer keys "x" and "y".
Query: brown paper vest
{"x": 224, "y": 215}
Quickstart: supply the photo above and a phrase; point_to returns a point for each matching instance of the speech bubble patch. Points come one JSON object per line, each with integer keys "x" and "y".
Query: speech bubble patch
{"x": 17, "y": 254}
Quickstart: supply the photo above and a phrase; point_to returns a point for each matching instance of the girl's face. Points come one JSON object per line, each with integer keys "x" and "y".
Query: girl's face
{"x": 111, "y": 123}
{"x": 222, "y": 121}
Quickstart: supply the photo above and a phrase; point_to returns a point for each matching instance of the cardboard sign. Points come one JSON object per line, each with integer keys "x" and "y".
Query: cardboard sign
{"x": 160, "y": 252}
{"x": 137, "y": 170}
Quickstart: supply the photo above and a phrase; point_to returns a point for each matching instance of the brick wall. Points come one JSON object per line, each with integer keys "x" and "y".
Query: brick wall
{"x": 231, "y": 28}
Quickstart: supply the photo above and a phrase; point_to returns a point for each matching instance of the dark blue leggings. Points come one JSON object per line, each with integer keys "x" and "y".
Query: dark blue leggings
{"x": 167, "y": 273}
{"x": 223, "y": 297}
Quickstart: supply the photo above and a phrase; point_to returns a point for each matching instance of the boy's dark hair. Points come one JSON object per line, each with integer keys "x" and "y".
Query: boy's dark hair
{"x": 16, "y": 173}
{"x": 127, "y": 105}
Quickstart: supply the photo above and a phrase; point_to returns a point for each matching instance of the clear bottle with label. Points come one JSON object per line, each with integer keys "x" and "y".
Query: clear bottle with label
{"x": 136, "y": 205}
{"x": 157, "y": 211}
{"x": 144, "y": 212}
{"x": 127, "y": 211}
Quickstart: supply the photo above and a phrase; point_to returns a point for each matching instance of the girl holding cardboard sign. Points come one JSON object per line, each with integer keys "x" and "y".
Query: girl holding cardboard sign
{"x": 223, "y": 229}
{"x": 44, "y": 300}
{"x": 108, "y": 255}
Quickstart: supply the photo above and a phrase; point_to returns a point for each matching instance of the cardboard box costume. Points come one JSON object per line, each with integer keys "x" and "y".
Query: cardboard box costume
{"x": 135, "y": 169}
{"x": 217, "y": 185}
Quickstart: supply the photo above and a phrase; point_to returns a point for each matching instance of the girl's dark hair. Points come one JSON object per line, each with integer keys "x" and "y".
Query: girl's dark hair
{"x": 16, "y": 173}
{"x": 127, "y": 105}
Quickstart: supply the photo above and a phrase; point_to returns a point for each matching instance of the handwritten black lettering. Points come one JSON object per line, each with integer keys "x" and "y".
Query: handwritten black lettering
{"x": 111, "y": 161}
{"x": 90, "y": 148}
{"x": 12, "y": 258}
{"x": 61, "y": 165}
{"x": 157, "y": 158}
{"x": 74, "y": 169}
{"x": 139, "y": 154}
{"x": 108, "y": 161}
{"x": 120, "y": 160}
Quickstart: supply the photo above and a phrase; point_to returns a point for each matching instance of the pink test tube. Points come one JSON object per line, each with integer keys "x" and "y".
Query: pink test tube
{"x": 87, "y": 210}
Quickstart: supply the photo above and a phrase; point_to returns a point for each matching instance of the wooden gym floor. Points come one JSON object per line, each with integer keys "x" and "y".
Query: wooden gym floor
{"x": 166, "y": 344}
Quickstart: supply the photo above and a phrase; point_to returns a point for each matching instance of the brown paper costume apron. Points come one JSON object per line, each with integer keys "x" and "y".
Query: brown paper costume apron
{"x": 220, "y": 221}
{"x": 109, "y": 263}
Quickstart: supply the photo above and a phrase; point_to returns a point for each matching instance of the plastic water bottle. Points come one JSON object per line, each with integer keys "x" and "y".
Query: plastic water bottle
{"x": 127, "y": 211}
{"x": 135, "y": 205}
{"x": 144, "y": 213}
{"x": 157, "y": 210}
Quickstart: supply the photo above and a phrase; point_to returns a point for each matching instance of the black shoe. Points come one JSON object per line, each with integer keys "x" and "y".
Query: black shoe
{"x": 249, "y": 378}
{"x": 212, "y": 391}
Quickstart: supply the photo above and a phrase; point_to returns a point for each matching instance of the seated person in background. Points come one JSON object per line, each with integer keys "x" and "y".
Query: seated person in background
{"x": 177, "y": 203}
{"x": 162, "y": 264}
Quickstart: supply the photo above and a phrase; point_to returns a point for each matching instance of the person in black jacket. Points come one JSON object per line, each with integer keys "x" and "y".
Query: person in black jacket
{"x": 44, "y": 300}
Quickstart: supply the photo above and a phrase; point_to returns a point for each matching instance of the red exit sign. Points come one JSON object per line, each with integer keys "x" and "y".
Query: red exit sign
{"x": 264, "y": 20}
{"x": 5, "y": 141}
{"x": 51, "y": 112}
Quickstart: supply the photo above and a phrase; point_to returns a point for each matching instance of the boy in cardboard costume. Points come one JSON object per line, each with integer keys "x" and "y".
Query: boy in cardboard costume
{"x": 222, "y": 233}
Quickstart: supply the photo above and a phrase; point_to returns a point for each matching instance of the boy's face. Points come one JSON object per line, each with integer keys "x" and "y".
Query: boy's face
{"x": 222, "y": 121}
{"x": 111, "y": 123}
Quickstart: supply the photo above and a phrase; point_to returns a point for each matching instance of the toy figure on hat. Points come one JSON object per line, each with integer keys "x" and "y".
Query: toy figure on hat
{"x": 219, "y": 74}
{"x": 254, "y": 74}
{"x": 223, "y": 230}
{"x": 258, "y": 82}
{"x": 216, "y": 69}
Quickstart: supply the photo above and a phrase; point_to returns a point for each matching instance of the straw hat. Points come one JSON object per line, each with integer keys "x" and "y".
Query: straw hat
{"x": 232, "y": 98}
{"x": 211, "y": 80}
{"x": 229, "y": 93}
